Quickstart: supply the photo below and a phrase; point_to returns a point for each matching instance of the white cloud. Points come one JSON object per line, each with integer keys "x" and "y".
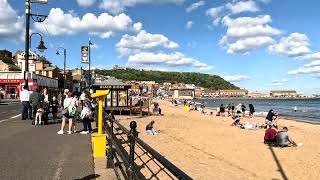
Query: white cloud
{"x": 311, "y": 57}
{"x": 137, "y": 26}
{"x": 214, "y": 12}
{"x": 245, "y": 45}
{"x": 85, "y": 3}
{"x": 313, "y": 63}
{"x": 236, "y": 7}
{"x": 236, "y": 78}
{"x": 118, "y": 6}
{"x": 278, "y": 82}
{"x": 195, "y": 6}
{"x": 173, "y": 59}
{"x": 143, "y": 41}
{"x": 296, "y": 44}
{"x": 247, "y": 33}
{"x": 104, "y": 25}
{"x": 306, "y": 70}
{"x": 242, "y": 6}
{"x": 11, "y": 25}
{"x": 189, "y": 24}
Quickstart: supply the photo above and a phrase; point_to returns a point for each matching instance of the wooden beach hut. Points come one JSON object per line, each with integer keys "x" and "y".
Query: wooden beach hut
{"x": 119, "y": 99}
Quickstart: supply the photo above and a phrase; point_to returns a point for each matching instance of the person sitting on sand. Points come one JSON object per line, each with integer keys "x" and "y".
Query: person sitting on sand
{"x": 270, "y": 135}
{"x": 271, "y": 118}
{"x": 150, "y": 129}
{"x": 236, "y": 120}
{"x": 283, "y": 139}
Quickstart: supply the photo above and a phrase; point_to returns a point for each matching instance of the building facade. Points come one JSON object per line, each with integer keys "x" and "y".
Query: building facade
{"x": 283, "y": 93}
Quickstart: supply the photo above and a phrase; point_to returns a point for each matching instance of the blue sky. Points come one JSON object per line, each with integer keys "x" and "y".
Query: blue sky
{"x": 256, "y": 44}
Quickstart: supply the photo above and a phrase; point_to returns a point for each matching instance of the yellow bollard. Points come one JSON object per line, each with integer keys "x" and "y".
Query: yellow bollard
{"x": 99, "y": 140}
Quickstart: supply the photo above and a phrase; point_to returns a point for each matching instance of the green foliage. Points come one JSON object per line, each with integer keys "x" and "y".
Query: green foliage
{"x": 199, "y": 79}
{"x": 6, "y": 60}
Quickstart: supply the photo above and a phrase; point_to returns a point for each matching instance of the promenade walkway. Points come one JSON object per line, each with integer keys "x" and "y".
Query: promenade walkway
{"x": 37, "y": 152}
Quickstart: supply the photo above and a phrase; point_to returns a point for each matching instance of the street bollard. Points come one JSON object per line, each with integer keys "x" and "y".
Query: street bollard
{"x": 131, "y": 137}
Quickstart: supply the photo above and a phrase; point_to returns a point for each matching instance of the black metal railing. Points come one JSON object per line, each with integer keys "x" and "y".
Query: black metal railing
{"x": 123, "y": 145}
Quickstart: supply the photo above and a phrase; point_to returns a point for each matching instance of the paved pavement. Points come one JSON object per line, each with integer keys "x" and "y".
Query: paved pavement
{"x": 37, "y": 152}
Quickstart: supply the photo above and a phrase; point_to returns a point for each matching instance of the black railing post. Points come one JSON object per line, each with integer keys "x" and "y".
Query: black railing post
{"x": 131, "y": 137}
{"x": 110, "y": 151}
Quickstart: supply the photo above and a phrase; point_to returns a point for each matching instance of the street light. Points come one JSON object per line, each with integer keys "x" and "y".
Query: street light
{"x": 41, "y": 47}
{"x": 64, "y": 64}
{"x": 36, "y": 18}
{"x": 90, "y": 43}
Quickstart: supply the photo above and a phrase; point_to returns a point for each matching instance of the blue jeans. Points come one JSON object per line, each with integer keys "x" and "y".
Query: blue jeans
{"x": 26, "y": 110}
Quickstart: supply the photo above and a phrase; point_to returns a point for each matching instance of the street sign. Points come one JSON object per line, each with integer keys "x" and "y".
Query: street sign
{"x": 39, "y": 1}
{"x": 85, "y": 54}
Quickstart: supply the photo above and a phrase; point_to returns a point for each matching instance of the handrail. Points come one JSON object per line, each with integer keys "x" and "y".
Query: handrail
{"x": 133, "y": 139}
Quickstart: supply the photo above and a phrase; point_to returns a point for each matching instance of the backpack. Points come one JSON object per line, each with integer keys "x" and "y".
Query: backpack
{"x": 71, "y": 109}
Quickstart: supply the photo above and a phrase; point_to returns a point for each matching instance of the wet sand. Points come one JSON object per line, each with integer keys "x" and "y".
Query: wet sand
{"x": 207, "y": 147}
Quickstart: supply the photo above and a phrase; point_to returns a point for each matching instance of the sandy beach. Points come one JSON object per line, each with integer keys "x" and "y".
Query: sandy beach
{"x": 207, "y": 147}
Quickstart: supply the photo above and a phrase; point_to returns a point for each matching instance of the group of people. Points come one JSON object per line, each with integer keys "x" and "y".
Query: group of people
{"x": 233, "y": 110}
{"x": 36, "y": 105}
{"x": 75, "y": 107}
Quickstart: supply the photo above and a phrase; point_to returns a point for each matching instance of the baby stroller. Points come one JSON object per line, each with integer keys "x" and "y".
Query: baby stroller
{"x": 45, "y": 107}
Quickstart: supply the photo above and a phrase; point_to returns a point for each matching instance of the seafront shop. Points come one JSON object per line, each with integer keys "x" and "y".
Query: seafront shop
{"x": 11, "y": 82}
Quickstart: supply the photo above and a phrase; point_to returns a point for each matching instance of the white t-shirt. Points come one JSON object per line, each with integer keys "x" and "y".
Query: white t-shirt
{"x": 24, "y": 95}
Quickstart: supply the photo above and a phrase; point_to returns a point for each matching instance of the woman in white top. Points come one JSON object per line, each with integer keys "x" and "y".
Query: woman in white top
{"x": 69, "y": 105}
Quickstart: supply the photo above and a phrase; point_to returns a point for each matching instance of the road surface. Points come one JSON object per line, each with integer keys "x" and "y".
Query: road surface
{"x": 37, "y": 152}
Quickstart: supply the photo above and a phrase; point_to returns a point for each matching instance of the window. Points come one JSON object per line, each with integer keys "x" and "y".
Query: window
{"x": 122, "y": 98}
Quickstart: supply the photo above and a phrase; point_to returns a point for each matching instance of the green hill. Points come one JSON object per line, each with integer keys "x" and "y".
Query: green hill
{"x": 199, "y": 79}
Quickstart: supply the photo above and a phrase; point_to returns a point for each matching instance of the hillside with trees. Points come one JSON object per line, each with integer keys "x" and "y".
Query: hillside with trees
{"x": 199, "y": 79}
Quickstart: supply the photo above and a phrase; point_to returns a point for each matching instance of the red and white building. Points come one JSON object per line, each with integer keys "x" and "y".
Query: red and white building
{"x": 11, "y": 82}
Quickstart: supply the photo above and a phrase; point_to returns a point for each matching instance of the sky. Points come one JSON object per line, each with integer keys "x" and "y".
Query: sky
{"x": 260, "y": 45}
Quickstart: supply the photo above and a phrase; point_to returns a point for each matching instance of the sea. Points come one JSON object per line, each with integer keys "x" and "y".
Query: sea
{"x": 306, "y": 109}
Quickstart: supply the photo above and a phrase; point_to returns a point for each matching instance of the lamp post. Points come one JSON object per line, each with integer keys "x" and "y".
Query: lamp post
{"x": 90, "y": 63}
{"x": 64, "y": 64}
{"x": 36, "y": 18}
{"x": 41, "y": 47}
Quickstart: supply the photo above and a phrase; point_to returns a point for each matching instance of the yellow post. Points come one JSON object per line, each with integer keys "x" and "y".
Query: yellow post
{"x": 100, "y": 115}
{"x": 99, "y": 140}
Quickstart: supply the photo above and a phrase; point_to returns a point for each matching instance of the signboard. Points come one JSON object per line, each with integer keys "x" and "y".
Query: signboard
{"x": 85, "y": 54}
{"x": 39, "y": 1}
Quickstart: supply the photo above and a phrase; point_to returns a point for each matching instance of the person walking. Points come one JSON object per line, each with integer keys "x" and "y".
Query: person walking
{"x": 25, "y": 102}
{"x": 86, "y": 115}
{"x": 35, "y": 99}
{"x": 69, "y": 112}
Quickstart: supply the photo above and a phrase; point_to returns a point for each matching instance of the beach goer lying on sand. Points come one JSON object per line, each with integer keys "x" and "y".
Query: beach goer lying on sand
{"x": 283, "y": 139}
{"x": 251, "y": 126}
{"x": 271, "y": 118}
{"x": 236, "y": 120}
{"x": 150, "y": 129}
{"x": 270, "y": 135}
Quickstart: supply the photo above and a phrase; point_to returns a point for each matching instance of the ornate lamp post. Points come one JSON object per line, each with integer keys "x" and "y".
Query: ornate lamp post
{"x": 41, "y": 47}
{"x": 64, "y": 64}
{"x": 36, "y": 18}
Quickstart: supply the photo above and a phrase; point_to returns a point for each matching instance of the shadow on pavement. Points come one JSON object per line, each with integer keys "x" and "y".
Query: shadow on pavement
{"x": 89, "y": 177}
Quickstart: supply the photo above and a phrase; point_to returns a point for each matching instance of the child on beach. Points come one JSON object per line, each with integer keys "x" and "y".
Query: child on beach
{"x": 270, "y": 135}
{"x": 236, "y": 120}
